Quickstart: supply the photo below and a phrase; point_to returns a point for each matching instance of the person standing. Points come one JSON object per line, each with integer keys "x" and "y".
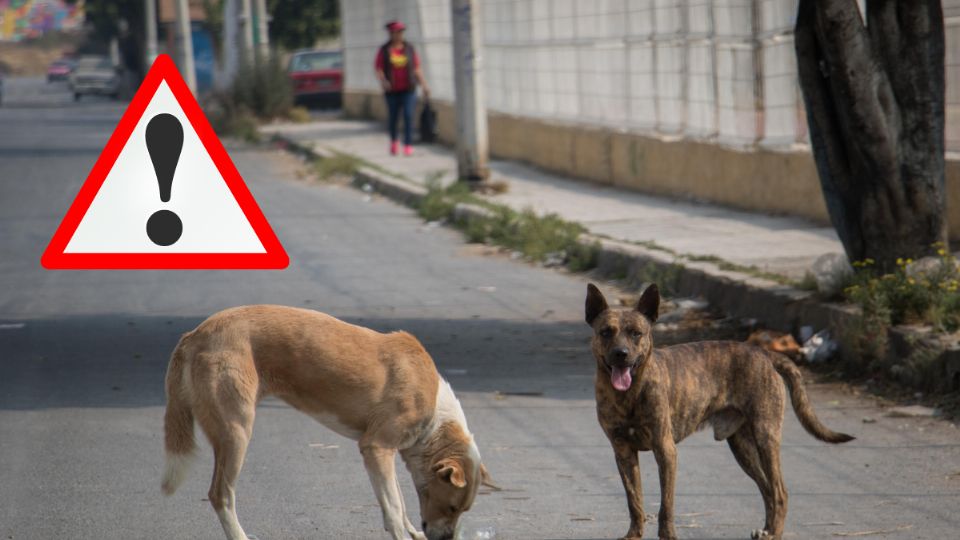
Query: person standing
{"x": 398, "y": 70}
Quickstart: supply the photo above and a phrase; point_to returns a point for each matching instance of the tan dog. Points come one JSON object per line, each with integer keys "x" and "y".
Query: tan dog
{"x": 652, "y": 399}
{"x": 382, "y": 390}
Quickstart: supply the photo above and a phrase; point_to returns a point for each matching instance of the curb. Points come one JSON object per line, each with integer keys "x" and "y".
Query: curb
{"x": 777, "y": 306}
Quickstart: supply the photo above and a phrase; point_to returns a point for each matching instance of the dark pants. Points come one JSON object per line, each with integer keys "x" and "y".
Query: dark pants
{"x": 397, "y": 102}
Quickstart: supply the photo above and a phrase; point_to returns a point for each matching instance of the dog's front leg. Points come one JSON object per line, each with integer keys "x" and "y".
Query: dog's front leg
{"x": 629, "y": 467}
{"x": 666, "y": 454}
{"x": 381, "y": 468}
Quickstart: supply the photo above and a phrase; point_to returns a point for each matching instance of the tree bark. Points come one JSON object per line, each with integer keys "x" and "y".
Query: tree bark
{"x": 874, "y": 95}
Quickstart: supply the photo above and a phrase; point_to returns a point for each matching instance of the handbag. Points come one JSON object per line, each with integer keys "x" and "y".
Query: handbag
{"x": 428, "y": 123}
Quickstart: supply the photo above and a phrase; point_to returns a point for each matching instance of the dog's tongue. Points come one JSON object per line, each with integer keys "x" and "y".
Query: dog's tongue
{"x": 620, "y": 378}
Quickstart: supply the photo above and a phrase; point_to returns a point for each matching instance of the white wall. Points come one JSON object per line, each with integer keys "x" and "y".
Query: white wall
{"x": 704, "y": 69}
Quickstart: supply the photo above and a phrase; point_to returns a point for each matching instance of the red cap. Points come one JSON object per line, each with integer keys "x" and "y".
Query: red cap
{"x": 396, "y": 26}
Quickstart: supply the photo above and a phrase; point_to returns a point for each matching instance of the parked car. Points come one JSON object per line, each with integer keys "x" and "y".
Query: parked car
{"x": 60, "y": 70}
{"x": 317, "y": 75}
{"x": 95, "y": 75}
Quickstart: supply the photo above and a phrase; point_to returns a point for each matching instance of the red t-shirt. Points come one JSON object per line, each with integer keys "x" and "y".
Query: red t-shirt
{"x": 399, "y": 76}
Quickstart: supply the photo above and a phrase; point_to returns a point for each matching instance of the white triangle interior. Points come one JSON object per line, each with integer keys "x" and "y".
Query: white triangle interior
{"x": 212, "y": 219}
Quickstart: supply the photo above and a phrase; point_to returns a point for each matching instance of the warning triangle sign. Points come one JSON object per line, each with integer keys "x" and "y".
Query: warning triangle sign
{"x": 164, "y": 194}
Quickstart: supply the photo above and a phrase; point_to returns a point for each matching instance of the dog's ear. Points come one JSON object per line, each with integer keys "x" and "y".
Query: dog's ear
{"x": 649, "y": 303}
{"x": 450, "y": 471}
{"x": 485, "y": 479}
{"x": 596, "y": 303}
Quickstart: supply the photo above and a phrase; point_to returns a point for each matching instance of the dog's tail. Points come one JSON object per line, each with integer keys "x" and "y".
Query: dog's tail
{"x": 801, "y": 405}
{"x": 177, "y": 423}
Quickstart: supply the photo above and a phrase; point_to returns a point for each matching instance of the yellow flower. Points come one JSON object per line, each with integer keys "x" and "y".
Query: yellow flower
{"x": 899, "y": 261}
{"x": 868, "y": 261}
{"x": 941, "y": 252}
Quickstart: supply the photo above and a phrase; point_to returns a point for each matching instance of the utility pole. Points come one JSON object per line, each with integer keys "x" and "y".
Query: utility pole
{"x": 231, "y": 57}
{"x": 263, "y": 29}
{"x": 471, "y": 143}
{"x": 246, "y": 31}
{"x": 185, "y": 45}
{"x": 150, "y": 9}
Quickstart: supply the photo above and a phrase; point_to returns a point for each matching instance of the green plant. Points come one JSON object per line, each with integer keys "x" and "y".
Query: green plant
{"x": 299, "y": 115}
{"x": 666, "y": 276}
{"x": 336, "y": 165}
{"x": 808, "y": 282}
{"x": 536, "y": 237}
{"x": 230, "y": 118}
{"x": 263, "y": 87}
{"x": 583, "y": 256}
{"x": 258, "y": 92}
{"x": 925, "y": 293}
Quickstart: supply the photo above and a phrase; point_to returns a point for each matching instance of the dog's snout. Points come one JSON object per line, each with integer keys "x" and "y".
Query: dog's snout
{"x": 620, "y": 353}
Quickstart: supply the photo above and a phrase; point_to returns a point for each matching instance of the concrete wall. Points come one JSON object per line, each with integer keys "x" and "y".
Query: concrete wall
{"x": 688, "y": 98}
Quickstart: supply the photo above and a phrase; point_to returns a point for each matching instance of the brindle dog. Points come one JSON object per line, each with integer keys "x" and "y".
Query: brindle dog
{"x": 651, "y": 399}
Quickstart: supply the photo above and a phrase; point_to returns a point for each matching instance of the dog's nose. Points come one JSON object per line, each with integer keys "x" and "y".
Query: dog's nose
{"x": 423, "y": 525}
{"x": 620, "y": 353}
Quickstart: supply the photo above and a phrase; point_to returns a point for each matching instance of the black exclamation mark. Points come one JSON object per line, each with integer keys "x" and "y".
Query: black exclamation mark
{"x": 164, "y": 143}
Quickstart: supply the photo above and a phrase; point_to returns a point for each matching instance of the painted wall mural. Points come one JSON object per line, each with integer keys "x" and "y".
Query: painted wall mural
{"x": 25, "y": 19}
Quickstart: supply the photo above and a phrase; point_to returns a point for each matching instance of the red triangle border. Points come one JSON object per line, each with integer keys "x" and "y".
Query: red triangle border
{"x": 163, "y": 69}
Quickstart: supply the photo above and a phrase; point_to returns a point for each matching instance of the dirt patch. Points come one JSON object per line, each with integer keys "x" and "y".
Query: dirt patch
{"x": 32, "y": 58}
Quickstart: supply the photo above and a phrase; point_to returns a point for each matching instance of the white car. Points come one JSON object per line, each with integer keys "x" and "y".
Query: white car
{"x": 95, "y": 75}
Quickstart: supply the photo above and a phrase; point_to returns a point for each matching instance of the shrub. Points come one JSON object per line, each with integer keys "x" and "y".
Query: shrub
{"x": 260, "y": 91}
{"x": 923, "y": 292}
{"x": 539, "y": 238}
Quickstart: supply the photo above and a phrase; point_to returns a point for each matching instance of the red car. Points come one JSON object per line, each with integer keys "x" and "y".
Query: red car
{"x": 317, "y": 75}
{"x": 60, "y": 70}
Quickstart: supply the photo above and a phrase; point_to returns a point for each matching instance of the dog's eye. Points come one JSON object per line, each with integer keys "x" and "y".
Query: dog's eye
{"x": 636, "y": 334}
{"x": 606, "y": 332}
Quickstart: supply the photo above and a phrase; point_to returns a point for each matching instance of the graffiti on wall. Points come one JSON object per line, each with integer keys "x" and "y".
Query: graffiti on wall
{"x": 25, "y": 19}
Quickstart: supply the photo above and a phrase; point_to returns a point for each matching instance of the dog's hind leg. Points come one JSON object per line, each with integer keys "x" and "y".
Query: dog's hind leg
{"x": 744, "y": 449}
{"x": 228, "y": 423}
{"x": 228, "y": 459}
{"x": 768, "y": 450}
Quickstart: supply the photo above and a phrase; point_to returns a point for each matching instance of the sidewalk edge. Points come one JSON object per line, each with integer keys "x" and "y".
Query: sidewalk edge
{"x": 777, "y": 306}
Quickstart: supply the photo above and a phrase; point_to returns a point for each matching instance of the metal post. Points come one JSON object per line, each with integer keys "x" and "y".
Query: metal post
{"x": 246, "y": 31}
{"x": 185, "y": 45}
{"x": 263, "y": 28}
{"x": 231, "y": 57}
{"x": 471, "y": 140}
{"x": 150, "y": 10}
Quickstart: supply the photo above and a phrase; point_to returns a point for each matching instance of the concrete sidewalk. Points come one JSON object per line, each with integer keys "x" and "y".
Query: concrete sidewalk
{"x": 777, "y": 244}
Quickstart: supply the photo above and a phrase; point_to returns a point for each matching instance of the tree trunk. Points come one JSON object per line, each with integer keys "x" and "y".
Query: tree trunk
{"x": 874, "y": 95}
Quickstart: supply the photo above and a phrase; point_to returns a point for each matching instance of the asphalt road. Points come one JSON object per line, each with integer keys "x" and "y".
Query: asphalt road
{"x": 83, "y": 356}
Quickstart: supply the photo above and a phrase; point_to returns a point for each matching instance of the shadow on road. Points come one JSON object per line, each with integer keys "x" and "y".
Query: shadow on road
{"x": 120, "y": 360}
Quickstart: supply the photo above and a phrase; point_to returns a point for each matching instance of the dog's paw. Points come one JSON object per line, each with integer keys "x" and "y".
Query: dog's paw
{"x": 757, "y": 534}
{"x": 635, "y": 533}
{"x": 417, "y": 535}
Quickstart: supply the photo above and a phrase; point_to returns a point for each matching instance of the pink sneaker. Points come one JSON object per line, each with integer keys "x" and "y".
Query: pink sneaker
{"x": 407, "y": 150}
{"x": 393, "y": 147}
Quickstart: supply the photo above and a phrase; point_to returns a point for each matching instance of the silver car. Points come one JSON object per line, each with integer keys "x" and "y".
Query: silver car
{"x": 95, "y": 75}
